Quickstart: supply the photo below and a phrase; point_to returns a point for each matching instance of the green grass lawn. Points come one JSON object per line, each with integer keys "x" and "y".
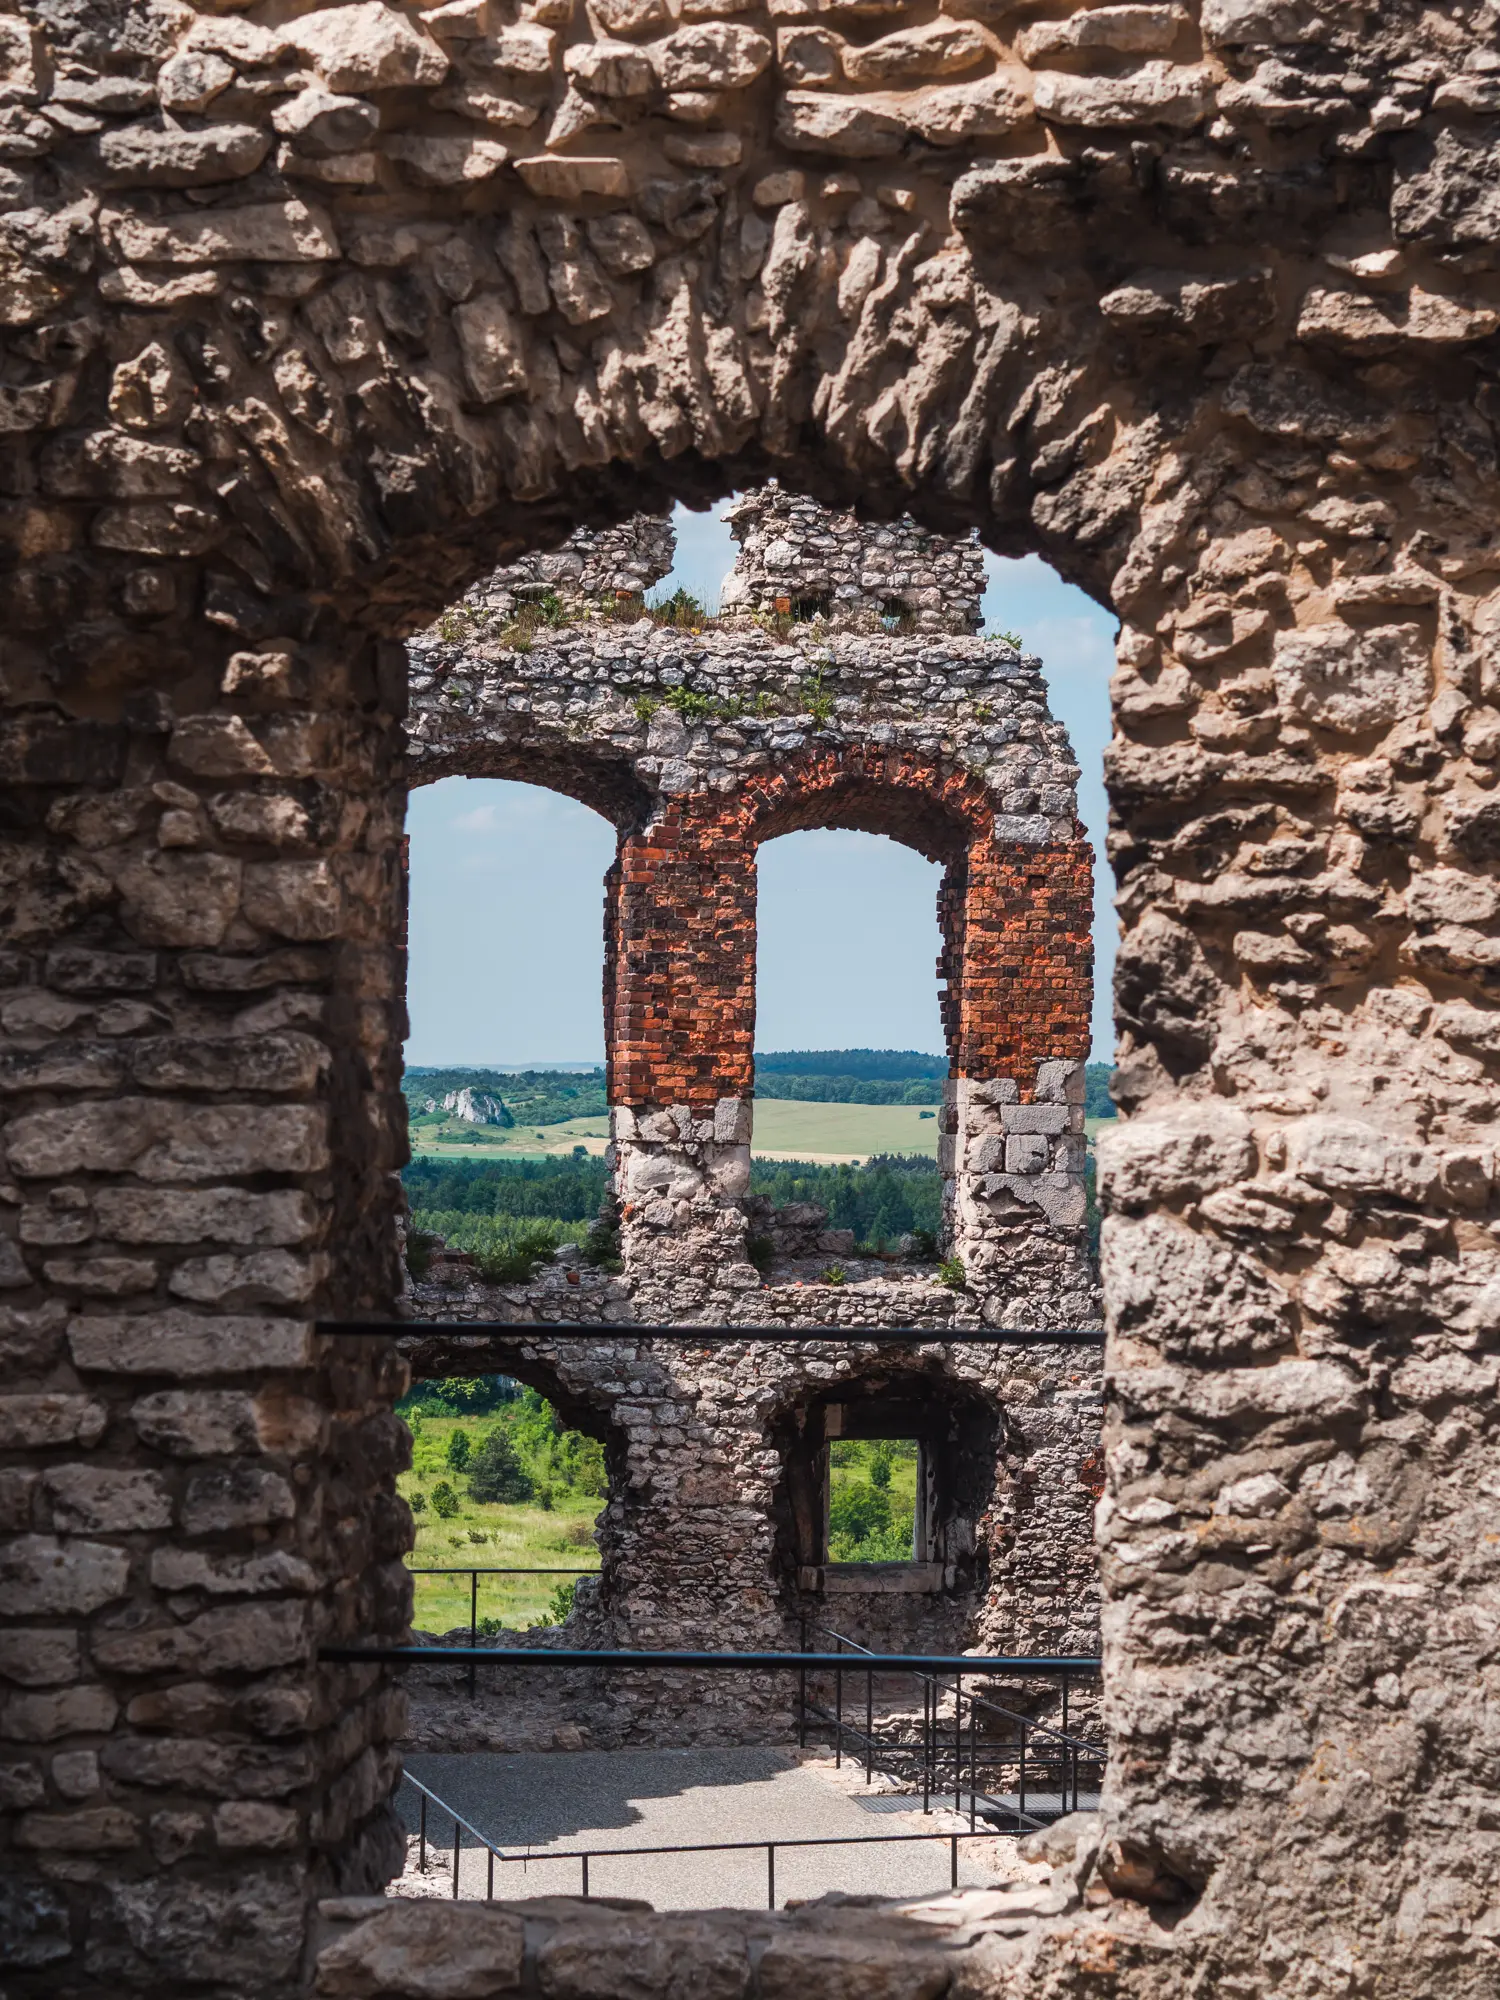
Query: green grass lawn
{"x": 489, "y": 1535}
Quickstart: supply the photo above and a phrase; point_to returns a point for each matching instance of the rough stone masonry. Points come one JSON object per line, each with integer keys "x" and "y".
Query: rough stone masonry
{"x": 313, "y": 316}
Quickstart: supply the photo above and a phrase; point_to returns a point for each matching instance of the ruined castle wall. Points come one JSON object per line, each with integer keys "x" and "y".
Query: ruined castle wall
{"x": 1199, "y": 305}
{"x": 701, "y": 745}
{"x": 797, "y": 556}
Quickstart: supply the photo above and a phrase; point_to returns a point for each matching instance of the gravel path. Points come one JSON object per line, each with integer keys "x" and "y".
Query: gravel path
{"x": 603, "y": 1800}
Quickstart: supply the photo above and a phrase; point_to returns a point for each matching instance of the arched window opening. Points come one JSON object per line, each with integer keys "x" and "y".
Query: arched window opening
{"x": 504, "y": 1491}
{"x": 850, "y": 1056}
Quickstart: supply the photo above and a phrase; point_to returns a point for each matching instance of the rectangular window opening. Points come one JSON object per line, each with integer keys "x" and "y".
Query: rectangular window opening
{"x": 875, "y": 1500}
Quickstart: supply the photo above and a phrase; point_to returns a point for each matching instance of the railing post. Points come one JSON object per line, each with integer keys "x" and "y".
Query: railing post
{"x": 838, "y": 1718}
{"x": 489, "y": 1884}
{"x": 926, "y": 1745}
{"x": 973, "y": 1758}
{"x": 1021, "y": 1788}
{"x": 869, "y": 1728}
{"x": 585, "y": 1860}
{"x": 953, "y": 1869}
{"x": 422, "y": 1835}
{"x": 958, "y": 1747}
{"x": 770, "y": 1874}
{"x": 473, "y": 1625}
{"x": 802, "y": 1692}
{"x": 457, "y": 1838}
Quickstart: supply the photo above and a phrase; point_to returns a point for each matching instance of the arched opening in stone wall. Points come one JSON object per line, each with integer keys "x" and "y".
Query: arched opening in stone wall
{"x": 936, "y": 1589}
{"x": 850, "y": 1051}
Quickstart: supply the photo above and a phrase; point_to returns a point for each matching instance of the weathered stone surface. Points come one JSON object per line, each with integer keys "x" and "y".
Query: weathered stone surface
{"x": 41, "y": 1573}
{"x": 178, "y": 1343}
{"x": 467, "y": 1953}
{"x": 50, "y": 1419}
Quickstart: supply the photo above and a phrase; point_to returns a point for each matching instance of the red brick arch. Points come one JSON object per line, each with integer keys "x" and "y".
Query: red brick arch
{"x": 681, "y": 931}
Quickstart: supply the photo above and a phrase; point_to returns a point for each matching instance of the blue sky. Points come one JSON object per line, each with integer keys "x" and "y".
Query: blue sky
{"x": 507, "y": 880}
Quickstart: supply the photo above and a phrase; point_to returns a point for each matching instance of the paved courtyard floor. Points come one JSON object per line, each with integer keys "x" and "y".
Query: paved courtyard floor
{"x": 542, "y": 1804}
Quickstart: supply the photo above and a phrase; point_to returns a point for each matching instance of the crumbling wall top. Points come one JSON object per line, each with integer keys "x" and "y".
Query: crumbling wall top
{"x": 796, "y": 556}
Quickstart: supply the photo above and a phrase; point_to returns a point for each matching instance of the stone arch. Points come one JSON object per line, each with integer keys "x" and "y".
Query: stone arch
{"x": 1207, "y": 322}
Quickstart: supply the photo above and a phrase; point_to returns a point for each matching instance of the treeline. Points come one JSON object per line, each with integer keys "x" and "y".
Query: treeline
{"x": 851, "y": 1089}
{"x": 891, "y": 1195}
{"x": 868, "y": 1065}
{"x": 531, "y": 1096}
{"x": 557, "y": 1190}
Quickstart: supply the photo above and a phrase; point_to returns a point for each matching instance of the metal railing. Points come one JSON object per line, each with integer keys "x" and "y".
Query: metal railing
{"x": 1062, "y": 1759}
{"x": 905, "y": 1336}
{"x": 586, "y": 1855}
{"x": 475, "y": 1574}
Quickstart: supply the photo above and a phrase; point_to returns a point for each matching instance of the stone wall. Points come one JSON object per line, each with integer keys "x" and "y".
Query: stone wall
{"x": 1197, "y": 304}
{"x": 699, "y": 745}
{"x": 795, "y": 556}
{"x": 704, "y": 1540}
{"x": 593, "y": 564}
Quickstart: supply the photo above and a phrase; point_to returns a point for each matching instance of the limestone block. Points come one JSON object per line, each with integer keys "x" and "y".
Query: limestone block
{"x": 631, "y": 17}
{"x": 1118, "y": 30}
{"x": 42, "y": 1574}
{"x": 139, "y": 157}
{"x": 164, "y": 1140}
{"x": 854, "y": 128}
{"x": 528, "y": 49}
{"x": 321, "y": 123}
{"x": 1183, "y": 1156}
{"x": 1060, "y": 1082}
{"x": 434, "y": 161}
{"x": 192, "y": 80}
{"x": 1049, "y": 1118}
{"x": 265, "y": 1277}
{"x": 248, "y": 1823}
{"x": 938, "y": 48}
{"x": 174, "y": 1342}
{"x": 178, "y": 899}
{"x": 288, "y": 232}
{"x": 292, "y": 899}
{"x": 221, "y": 1498}
{"x": 732, "y": 1121}
{"x": 88, "y": 1500}
{"x": 43, "y": 1718}
{"x": 1351, "y": 680}
{"x": 622, "y": 243}
{"x": 1157, "y": 93}
{"x": 713, "y": 55}
{"x": 1061, "y": 1197}
{"x": 492, "y": 347}
{"x": 214, "y": 1423}
{"x": 366, "y": 46}
{"x": 251, "y": 1638}
{"x": 431, "y": 1951}
{"x": 196, "y": 1215}
{"x": 49, "y": 1419}
{"x": 98, "y": 1829}
{"x": 1026, "y": 1153}
{"x": 38, "y": 1658}
{"x": 270, "y": 1575}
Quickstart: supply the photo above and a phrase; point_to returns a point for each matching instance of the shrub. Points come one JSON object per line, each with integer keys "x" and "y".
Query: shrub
{"x": 835, "y": 1275}
{"x": 478, "y": 1537}
{"x": 559, "y": 1609}
{"x": 762, "y": 1253}
{"x": 856, "y": 1511}
{"x": 495, "y": 1472}
{"x": 544, "y": 1496}
{"x": 951, "y": 1273}
{"x": 460, "y": 1450}
{"x": 418, "y": 1502}
{"x": 444, "y": 1500}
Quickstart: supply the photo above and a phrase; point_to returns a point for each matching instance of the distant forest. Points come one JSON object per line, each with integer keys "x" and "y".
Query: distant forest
{"x": 816, "y": 1076}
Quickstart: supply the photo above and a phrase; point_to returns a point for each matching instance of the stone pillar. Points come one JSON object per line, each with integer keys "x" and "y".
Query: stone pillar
{"x": 1017, "y": 960}
{"x": 681, "y": 1019}
{"x": 201, "y": 1016}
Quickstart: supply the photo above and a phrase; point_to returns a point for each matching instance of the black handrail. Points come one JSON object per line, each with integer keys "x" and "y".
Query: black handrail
{"x": 585, "y": 1855}
{"x": 576, "y": 1656}
{"x": 475, "y": 1574}
{"x": 963, "y": 1336}
{"x": 1071, "y": 1752}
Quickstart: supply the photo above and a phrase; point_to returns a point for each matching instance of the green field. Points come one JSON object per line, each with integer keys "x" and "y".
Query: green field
{"x": 784, "y": 1130}
{"x": 490, "y": 1535}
